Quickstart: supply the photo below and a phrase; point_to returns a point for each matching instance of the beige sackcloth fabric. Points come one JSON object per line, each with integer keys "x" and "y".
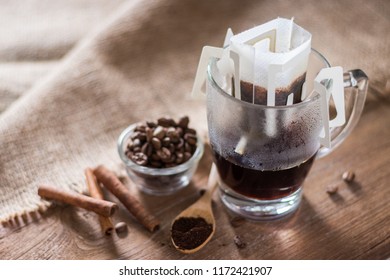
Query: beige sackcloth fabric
{"x": 36, "y": 34}
{"x": 140, "y": 64}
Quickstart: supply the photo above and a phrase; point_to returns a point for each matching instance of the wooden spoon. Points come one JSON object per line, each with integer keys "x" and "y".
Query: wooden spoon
{"x": 201, "y": 209}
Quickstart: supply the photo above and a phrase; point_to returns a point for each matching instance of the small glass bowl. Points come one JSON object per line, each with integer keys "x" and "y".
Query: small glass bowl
{"x": 159, "y": 181}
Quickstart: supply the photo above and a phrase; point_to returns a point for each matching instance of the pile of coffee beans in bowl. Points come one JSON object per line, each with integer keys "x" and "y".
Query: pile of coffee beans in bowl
{"x": 163, "y": 143}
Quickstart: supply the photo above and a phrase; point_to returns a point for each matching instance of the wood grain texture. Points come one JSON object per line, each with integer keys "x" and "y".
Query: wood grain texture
{"x": 353, "y": 224}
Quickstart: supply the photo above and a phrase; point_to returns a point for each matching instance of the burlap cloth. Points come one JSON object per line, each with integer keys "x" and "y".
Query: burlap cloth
{"x": 140, "y": 64}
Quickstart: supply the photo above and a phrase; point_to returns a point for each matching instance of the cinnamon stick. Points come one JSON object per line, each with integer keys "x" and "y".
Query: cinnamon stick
{"x": 101, "y": 207}
{"x": 96, "y": 192}
{"x": 115, "y": 186}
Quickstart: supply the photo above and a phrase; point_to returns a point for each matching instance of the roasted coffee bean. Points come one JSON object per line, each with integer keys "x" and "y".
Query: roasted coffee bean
{"x": 190, "y": 138}
{"x": 142, "y": 136}
{"x": 159, "y": 132}
{"x": 190, "y": 131}
{"x": 187, "y": 156}
{"x": 332, "y": 189}
{"x": 139, "y": 135}
{"x": 166, "y": 141}
{"x": 180, "y": 131}
{"x": 348, "y": 176}
{"x": 140, "y": 158}
{"x": 155, "y": 157}
{"x": 156, "y": 143}
{"x": 140, "y": 128}
{"x": 163, "y": 143}
{"x": 121, "y": 228}
{"x": 183, "y": 122}
{"x": 135, "y": 135}
{"x": 179, "y": 157}
{"x": 151, "y": 124}
{"x": 187, "y": 148}
{"x": 175, "y": 139}
{"x": 239, "y": 243}
{"x": 171, "y": 148}
{"x": 170, "y": 159}
{"x": 136, "y": 143}
{"x": 149, "y": 134}
{"x": 164, "y": 153}
{"x": 147, "y": 149}
{"x": 179, "y": 144}
{"x": 166, "y": 122}
{"x": 155, "y": 163}
{"x": 170, "y": 131}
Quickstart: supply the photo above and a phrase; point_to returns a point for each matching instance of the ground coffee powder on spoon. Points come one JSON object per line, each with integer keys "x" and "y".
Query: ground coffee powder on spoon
{"x": 189, "y": 232}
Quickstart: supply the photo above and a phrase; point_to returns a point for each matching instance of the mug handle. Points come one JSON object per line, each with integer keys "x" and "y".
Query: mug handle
{"x": 357, "y": 81}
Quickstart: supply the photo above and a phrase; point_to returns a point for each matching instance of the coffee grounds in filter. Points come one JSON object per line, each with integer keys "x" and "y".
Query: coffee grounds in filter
{"x": 281, "y": 94}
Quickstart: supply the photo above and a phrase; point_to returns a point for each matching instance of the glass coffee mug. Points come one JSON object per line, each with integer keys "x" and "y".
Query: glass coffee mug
{"x": 278, "y": 145}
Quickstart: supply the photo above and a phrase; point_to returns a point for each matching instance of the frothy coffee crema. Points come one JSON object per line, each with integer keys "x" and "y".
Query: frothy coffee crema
{"x": 281, "y": 94}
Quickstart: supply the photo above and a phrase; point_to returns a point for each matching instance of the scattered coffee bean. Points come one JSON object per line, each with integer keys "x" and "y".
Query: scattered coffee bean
{"x": 348, "y": 176}
{"x": 332, "y": 189}
{"x": 239, "y": 243}
{"x": 163, "y": 143}
{"x": 120, "y": 227}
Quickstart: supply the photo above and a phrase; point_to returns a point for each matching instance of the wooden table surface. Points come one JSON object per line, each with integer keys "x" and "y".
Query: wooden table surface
{"x": 352, "y": 224}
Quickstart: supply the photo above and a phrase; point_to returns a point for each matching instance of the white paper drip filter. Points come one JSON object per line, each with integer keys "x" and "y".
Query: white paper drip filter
{"x": 267, "y": 65}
